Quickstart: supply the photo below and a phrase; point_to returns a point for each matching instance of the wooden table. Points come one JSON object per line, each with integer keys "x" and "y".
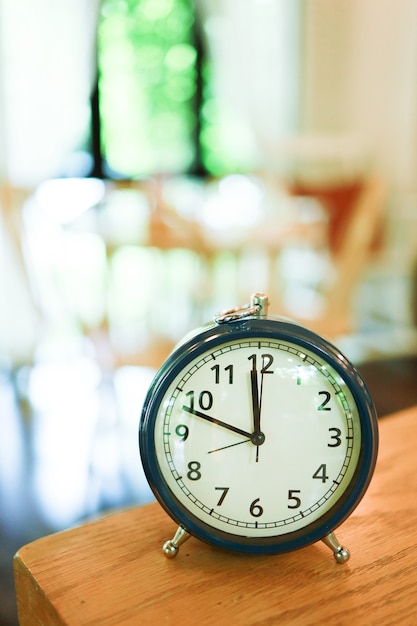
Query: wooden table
{"x": 112, "y": 571}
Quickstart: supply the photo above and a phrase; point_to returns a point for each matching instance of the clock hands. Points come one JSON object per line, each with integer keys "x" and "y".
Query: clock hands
{"x": 256, "y": 401}
{"x": 256, "y": 406}
{"x": 257, "y": 438}
{"x": 214, "y": 420}
{"x": 231, "y": 445}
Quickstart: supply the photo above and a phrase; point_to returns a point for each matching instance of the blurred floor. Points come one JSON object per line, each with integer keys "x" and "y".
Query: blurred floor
{"x": 68, "y": 452}
{"x": 392, "y": 383}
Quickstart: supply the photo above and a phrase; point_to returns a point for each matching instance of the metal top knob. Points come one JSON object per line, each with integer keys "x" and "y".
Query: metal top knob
{"x": 258, "y": 307}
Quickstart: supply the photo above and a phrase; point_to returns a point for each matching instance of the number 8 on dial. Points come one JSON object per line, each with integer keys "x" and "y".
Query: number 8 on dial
{"x": 258, "y": 435}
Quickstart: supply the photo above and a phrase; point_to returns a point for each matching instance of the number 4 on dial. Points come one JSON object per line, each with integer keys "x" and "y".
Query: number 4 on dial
{"x": 321, "y": 473}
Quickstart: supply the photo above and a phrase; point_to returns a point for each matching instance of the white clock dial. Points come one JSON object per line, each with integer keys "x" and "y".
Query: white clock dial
{"x": 257, "y": 437}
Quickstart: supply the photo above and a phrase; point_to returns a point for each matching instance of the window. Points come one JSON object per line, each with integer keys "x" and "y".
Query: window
{"x": 158, "y": 110}
{"x": 147, "y": 85}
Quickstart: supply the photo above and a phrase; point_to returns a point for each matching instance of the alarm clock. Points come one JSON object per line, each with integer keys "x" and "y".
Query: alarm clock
{"x": 258, "y": 435}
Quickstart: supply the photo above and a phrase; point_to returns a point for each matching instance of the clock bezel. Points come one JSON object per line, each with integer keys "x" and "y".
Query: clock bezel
{"x": 276, "y": 329}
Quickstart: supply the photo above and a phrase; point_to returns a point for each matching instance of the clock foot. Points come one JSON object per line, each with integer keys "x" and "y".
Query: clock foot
{"x": 340, "y": 553}
{"x": 171, "y": 547}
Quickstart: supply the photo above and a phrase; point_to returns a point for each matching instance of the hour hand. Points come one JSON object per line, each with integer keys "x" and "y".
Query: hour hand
{"x": 216, "y": 421}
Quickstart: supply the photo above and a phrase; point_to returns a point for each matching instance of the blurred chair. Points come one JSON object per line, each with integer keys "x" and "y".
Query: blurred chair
{"x": 358, "y": 242}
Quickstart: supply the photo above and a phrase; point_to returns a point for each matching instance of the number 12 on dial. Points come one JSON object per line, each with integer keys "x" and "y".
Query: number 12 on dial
{"x": 258, "y": 436}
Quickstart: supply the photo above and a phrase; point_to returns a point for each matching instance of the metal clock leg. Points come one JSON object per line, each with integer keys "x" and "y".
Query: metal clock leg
{"x": 340, "y": 553}
{"x": 171, "y": 547}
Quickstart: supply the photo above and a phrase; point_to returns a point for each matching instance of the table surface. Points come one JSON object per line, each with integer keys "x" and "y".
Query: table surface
{"x": 112, "y": 571}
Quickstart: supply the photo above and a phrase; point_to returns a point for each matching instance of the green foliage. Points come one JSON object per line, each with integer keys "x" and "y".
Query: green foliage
{"x": 148, "y": 100}
{"x": 147, "y": 65}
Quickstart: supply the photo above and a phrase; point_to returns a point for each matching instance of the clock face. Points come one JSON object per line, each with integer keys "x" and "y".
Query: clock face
{"x": 255, "y": 441}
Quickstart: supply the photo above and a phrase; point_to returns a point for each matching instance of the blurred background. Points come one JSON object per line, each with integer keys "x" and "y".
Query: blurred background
{"x": 161, "y": 160}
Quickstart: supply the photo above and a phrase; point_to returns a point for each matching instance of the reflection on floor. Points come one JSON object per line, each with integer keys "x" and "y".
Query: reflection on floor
{"x": 392, "y": 383}
{"x": 68, "y": 452}
{"x": 68, "y": 446}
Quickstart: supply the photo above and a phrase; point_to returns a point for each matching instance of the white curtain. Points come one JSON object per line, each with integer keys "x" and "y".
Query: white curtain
{"x": 47, "y": 65}
{"x": 321, "y": 67}
{"x": 361, "y": 78}
{"x": 255, "y": 49}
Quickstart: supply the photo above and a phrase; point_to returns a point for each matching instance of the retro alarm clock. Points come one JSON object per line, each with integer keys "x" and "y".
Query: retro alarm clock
{"x": 257, "y": 435}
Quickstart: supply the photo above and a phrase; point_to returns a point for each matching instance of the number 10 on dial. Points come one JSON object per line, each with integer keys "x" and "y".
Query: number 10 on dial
{"x": 258, "y": 436}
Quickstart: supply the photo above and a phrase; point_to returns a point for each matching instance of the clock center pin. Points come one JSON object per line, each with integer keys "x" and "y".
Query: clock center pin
{"x": 257, "y": 438}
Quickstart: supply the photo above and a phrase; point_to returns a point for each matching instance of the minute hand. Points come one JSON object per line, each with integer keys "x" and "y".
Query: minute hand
{"x": 256, "y": 401}
{"x": 213, "y": 420}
